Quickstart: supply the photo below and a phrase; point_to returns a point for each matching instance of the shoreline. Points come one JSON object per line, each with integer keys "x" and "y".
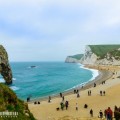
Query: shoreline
{"x": 96, "y": 102}
{"x": 103, "y": 75}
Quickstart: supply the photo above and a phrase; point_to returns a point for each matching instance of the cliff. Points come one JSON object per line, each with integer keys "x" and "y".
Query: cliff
{"x": 5, "y": 69}
{"x": 74, "y": 58}
{"x": 101, "y": 55}
{"x": 8, "y": 99}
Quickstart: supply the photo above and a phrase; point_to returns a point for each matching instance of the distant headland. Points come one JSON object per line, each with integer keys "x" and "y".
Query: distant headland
{"x": 97, "y": 55}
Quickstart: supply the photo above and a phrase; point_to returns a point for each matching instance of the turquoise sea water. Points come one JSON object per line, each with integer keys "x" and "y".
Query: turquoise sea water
{"x": 47, "y": 78}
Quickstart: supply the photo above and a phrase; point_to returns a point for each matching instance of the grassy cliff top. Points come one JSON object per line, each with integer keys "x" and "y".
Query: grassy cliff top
{"x": 78, "y": 56}
{"x": 102, "y": 50}
{"x": 9, "y": 102}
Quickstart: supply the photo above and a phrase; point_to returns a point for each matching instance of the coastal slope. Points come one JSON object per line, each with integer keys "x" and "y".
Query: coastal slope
{"x": 74, "y": 58}
{"x": 8, "y": 99}
{"x": 100, "y": 55}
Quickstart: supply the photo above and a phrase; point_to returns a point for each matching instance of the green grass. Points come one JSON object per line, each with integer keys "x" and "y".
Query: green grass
{"x": 10, "y": 102}
{"x": 78, "y": 56}
{"x": 102, "y": 50}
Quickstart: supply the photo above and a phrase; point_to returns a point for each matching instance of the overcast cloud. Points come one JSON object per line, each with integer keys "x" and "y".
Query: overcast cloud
{"x": 50, "y": 30}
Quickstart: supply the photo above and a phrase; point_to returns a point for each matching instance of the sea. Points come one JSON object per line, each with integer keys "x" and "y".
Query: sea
{"x": 42, "y": 79}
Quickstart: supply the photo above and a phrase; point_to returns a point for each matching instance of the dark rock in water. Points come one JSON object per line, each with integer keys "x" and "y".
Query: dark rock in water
{"x": 5, "y": 69}
{"x": 33, "y": 66}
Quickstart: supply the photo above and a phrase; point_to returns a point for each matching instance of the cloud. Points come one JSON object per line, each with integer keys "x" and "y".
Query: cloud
{"x": 36, "y": 29}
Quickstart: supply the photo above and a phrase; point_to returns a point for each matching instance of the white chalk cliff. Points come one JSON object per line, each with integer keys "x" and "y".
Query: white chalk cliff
{"x": 89, "y": 57}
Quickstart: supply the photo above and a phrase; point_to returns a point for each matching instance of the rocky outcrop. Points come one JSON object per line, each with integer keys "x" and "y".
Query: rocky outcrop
{"x": 5, "y": 69}
{"x": 74, "y": 59}
{"x": 71, "y": 60}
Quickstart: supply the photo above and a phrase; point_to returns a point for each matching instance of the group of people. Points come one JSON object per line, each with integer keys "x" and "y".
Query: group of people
{"x": 102, "y": 93}
{"x": 36, "y": 102}
{"x": 108, "y": 114}
{"x": 89, "y": 92}
{"x": 66, "y": 104}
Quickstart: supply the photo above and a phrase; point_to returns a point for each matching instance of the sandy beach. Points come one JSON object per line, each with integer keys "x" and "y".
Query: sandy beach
{"x": 96, "y": 102}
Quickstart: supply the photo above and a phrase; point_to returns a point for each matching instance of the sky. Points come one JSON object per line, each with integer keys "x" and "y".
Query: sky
{"x": 51, "y": 30}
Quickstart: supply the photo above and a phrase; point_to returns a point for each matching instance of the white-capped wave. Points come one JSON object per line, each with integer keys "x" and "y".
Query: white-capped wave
{"x": 13, "y": 78}
{"x": 2, "y": 80}
{"x": 95, "y": 72}
{"x": 14, "y": 88}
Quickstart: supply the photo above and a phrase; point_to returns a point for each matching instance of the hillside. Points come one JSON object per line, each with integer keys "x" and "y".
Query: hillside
{"x": 77, "y": 56}
{"x": 74, "y": 58}
{"x": 9, "y": 103}
{"x": 102, "y": 50}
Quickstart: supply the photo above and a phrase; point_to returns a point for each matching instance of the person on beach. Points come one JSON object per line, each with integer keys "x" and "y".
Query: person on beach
{"x": 109, "y": 114}
{"x": 85, "y": 106}
{"x": 28, "y": 99}
{"x": 74, "y": 91}
{"x": 60, "y": 94}
{"x": 62, "y": 105}
{"x": 77, "y": 91}
{"x": 35, "y": 102}
{"x": 78, "y": 95}
{"x": 49, "y": 99}
{"x": 91, "y": 113}
{"x": 105, "y": 113}
{"x": 63, "y": 98}
{"x": 90, "y": 92}
{"x": 104, "y": 93}
{"x": 66, "y": 104}
{"x": 94, "y": 84}
{"x": 76, "y": 106}
{"x": 101, "y": 93}
{"x": 101, "y": 114}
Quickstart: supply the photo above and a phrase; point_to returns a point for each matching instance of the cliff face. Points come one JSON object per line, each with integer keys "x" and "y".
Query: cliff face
{"x": 110, "y": 57}
{"x": 71, "y": 60}
{"x": 74, "y": 58}
{"x": 5, "y": 69}
{"x": 99, "y": 55}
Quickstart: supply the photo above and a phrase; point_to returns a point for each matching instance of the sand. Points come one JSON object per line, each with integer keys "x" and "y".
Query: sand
{"x": 47, "y": 111}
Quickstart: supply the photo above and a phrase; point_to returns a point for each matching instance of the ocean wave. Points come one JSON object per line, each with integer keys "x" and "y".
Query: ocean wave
{"x": 13, "y": 78}
{"x": 76, "y": 86}
{"x": 14, "y": 88}
{"x": 2, "y": 80}
{"x": 95, "y": 73}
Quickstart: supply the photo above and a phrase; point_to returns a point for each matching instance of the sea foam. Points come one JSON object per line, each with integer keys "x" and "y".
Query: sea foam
{"x": 95, "y": 73}
{"x": 14, "y": 88}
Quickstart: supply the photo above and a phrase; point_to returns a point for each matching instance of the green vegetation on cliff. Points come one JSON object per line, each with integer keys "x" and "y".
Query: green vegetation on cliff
{"x": 5, "y": 69}
{"x": 102, "y": 50}
{"x": 78, "y": 56}
{"x": 9, "y": 102}
{"x": 8, "y": 99}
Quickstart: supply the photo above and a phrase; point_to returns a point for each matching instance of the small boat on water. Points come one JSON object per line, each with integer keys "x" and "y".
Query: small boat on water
{"x": 33, "y": 66}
